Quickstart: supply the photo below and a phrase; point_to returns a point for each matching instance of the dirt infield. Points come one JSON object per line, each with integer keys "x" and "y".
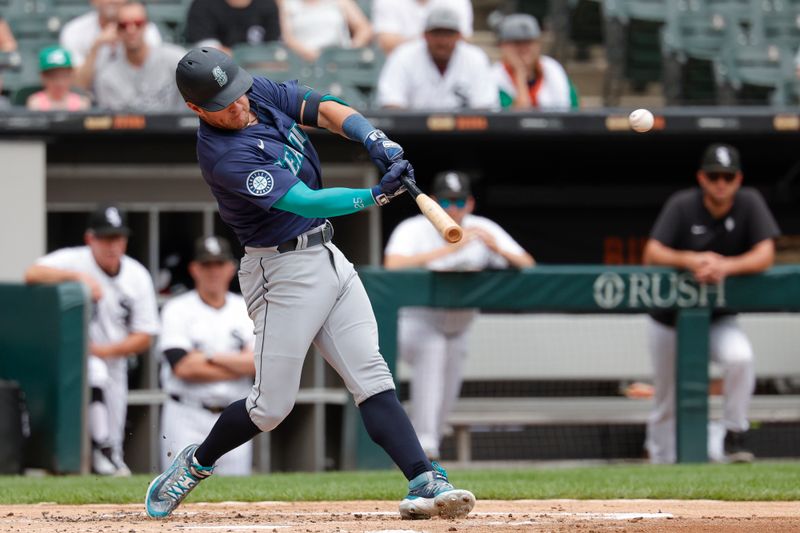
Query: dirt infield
{"x": 381, "y": 517}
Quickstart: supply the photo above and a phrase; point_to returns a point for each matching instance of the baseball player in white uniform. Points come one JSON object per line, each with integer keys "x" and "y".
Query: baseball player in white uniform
{"x": 124, "y": 317}
{"x": 207, "y": 348}
{"x": 716, "y": 230}
{"x": 434, "y": 341}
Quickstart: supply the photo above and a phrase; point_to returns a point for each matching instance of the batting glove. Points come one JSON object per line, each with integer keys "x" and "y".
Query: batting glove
{"x": 382, "y": 151}
{"x": 390, "y": 185}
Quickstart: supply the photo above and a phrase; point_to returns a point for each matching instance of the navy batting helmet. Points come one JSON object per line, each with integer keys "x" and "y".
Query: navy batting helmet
{"x": 211, "y": 79}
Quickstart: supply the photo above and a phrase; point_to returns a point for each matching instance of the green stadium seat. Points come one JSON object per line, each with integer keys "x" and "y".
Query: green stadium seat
{"x": 35, "y": 26}
{"x": 349, "y": 73}
{"x": 357, "y": 67}
{"x": 28, "y": 72}
{"x": 756, "y": 74}
{"x": 20, "y": 96}
{"x": 780, "y": 22}
{"x": 273, "y": 60}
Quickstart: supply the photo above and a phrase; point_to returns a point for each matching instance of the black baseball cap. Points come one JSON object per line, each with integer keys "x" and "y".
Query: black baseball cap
{"x": 209, "y": 78}
{"x": 212, "y": 248}
{"x": 451, "y": 184}
{"x": 108, "y": 220}
{"x": 721, "y": 157}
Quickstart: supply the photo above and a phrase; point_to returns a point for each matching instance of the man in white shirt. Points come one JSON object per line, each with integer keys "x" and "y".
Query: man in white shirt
{"x": 124, "y": 318}
{"x": 92, "y": 39}
{"x": 438, "y": 72}
{"x": 142, "y": 78}
{"x": 434, "y": 341}
{"x": 399, "y": 21}
{"x": 207, "y": 349}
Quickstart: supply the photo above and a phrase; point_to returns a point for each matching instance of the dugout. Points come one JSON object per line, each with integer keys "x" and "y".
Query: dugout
{"x": 578, "y": 188}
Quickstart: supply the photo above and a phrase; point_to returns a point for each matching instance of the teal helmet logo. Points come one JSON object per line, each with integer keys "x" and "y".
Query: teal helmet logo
{"x": 220, "y": 76}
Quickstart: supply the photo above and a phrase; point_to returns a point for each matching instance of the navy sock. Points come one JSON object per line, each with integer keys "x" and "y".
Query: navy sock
{"x": 388, "y": 425}
{"x": 233, "y": 428}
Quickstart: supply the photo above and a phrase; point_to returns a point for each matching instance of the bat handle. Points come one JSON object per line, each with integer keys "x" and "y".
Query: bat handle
{"x": 411, "y": 185}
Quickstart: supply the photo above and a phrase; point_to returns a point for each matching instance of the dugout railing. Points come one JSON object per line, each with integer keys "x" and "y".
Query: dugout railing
{"x": 593, "y": 289}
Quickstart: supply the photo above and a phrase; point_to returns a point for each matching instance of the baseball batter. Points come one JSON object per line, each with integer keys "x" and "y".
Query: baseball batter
{"x": 299, "y": 288}
{"x": 124, "y": 317}
{"x": 715, "y": 231}
{"x": 207, "y": 347}
{"x": 434, "y": 341}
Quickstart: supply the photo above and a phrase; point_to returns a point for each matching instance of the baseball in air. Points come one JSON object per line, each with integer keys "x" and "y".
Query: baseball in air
{"x": 641, "y": 120}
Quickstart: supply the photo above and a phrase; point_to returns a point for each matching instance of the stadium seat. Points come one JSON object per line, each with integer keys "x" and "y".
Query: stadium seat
{"x": 20, "y": 96}
{"x": 691, "y": 38}
{"x": 756, "y": 74}
{"x": 273, "y": 60}
{"x": 780, "y": 22}
{"x": 35, "y": 26}
{"x": 633, "y": 44}
{"x": 28, "y": 72}
{"x": 350, "y": 73}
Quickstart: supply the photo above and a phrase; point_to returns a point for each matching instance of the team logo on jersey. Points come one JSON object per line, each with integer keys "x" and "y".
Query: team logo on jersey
{"x": 220, "y": 76}
{"x": 730, "y": 224}
{"x": 260, "y": 182}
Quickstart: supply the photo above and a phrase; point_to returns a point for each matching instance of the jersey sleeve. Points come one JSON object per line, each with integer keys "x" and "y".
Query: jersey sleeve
{"x": 145, "y": 310}
{"x": 174, "y": 334}
{"x": 666, "y": 230}
{"x": 246, "y": 175}
{"x": 504, "y": 241}
{"x": 761, "y": 224}
{"x": 65, "y": 259}
{"x": 286, "y": 96}
{"x": 392, "y": 82}
{"x": 485, "y": 94}
{"x": 403, "y": 240}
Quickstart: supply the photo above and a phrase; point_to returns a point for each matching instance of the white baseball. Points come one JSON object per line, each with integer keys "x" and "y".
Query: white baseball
{"x": 641, "y": 120}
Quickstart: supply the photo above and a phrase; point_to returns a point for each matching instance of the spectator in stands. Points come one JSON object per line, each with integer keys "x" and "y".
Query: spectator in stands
{"x": 207, "y": 348}
{"x": 57, "y": 77}
{"x": 92, "y": 40}
{"x": 398, "y": 21}
{"x": 308, "y": 26}
{"x": 718, "y": 230}
{"x": 527, "y": 79}
{"x": 142, "y": 78}
{"x": 123, "y": 320}
{"x": 223, "y": 24}
{"x": 439, "y": 71}
{"x": 434, "y": 341}
{"x": 7, "y": 41}
{"x": 7, "y": 44}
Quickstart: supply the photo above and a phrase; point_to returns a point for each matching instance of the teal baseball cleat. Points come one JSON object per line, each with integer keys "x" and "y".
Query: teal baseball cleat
{"x": 431, "y": 494}
{"x": 169, "y": 489}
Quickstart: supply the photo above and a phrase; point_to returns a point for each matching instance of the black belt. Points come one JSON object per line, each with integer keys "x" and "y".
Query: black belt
{"x": 306, "y": 240}
{"x": 211, "y": 408}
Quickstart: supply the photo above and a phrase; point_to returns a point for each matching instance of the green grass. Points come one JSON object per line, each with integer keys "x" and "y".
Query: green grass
{"x": 760, "y": 481}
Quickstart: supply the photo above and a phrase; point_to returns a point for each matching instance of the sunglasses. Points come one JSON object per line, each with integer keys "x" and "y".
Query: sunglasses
{"x": 716, "y": 176}
{"x": 445, "y": 203}
{"x": 123, "y": 25}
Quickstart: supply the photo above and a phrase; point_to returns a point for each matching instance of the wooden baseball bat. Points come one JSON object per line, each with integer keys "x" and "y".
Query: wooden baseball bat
{"x": 437, "y": 216}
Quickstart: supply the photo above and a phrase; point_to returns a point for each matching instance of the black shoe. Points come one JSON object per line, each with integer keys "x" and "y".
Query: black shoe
{"x": 735, "y": 450}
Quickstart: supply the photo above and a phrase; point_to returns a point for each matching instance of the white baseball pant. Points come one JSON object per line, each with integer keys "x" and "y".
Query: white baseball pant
{"x": 731, "y": 349}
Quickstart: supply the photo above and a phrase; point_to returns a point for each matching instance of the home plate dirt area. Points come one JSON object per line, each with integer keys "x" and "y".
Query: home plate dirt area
{"x": 381, "y": 517}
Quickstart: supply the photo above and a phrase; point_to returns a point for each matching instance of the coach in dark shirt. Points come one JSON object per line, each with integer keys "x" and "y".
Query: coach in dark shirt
{"x": 225, "y": 23}
{"x": 717, "y": 230}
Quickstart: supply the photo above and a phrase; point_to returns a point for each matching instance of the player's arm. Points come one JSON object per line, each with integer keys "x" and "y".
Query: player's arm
{"x": 657, "y": 253}
{"x": 240, "y": 363}
{"x": 42, "y": 274}
{"x": 196, "y": 367}
{"x": 758, "y": 259}
{"x": 136, "y": 342}
{"x": 400, "y": 261}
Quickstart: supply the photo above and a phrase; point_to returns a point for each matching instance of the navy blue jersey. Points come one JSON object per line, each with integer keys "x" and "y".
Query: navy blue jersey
{"x": 250, "y": 169}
